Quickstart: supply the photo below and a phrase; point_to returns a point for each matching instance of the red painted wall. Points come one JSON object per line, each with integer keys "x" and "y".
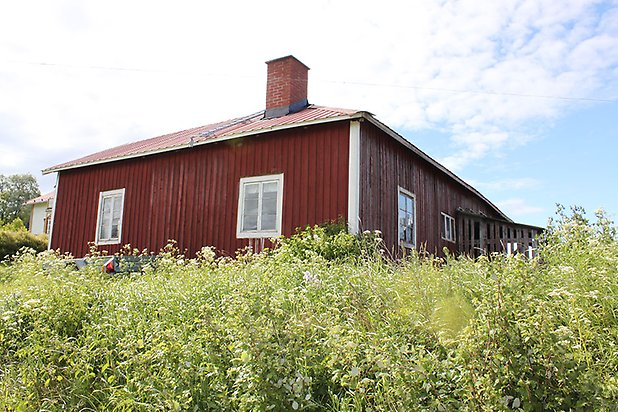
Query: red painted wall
{"x": 191, "y": 195}
{"x": 386, "y": 164}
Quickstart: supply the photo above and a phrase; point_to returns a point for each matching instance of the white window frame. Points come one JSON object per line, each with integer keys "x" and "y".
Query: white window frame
{"x": 255, "y": 234}
{"x": 400, "y": 191}
{"x": 446, "y": 221}
{"x": 102, "y": 196}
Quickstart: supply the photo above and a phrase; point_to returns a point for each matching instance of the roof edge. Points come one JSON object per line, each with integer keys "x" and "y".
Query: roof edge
{"x": 432, "y": 161}
{"x": 188, "y": 145}
{"x": 357, "y": 115}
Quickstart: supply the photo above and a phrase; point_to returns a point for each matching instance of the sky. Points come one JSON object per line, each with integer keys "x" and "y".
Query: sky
{"x": 519, "y": 98}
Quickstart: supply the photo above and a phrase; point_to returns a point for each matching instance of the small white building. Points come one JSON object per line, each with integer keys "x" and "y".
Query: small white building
{"x": 41, "y": 215}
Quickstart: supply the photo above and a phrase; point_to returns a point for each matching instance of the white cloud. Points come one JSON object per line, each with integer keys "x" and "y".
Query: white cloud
{"x": 415, "y": 64}
{"x": 518, "y": 207}
{"x": 512, "y": 184}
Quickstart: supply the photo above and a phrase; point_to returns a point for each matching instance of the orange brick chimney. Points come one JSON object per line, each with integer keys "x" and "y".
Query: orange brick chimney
{"x": 286, "y": 87}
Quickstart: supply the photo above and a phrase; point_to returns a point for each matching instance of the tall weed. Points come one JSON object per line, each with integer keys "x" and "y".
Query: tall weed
{"x": 323, "y": 322}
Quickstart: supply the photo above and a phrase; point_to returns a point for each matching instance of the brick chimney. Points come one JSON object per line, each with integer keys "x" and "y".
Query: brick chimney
{"x": 286, "y": 87}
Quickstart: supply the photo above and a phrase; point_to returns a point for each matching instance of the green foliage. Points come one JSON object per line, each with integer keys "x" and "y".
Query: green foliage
{"x": 14, "y": 237}
{"x": 320, "y": 323}
{"x": 331, "y": 241}
{"x": 15, "y": 190}
{"x": 17, "y": 225}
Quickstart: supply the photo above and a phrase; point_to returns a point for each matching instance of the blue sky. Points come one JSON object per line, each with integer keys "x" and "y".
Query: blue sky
{"x": 517, "y": 97}
{"x": 571, "y": 162}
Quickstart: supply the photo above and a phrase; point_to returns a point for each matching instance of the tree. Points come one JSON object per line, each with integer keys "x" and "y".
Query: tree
{"x": 15, "y": 191}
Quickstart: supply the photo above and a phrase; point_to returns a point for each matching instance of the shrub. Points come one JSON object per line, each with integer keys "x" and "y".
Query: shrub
{"x": 331, "y": 241}
{"x": 12, "y": 240}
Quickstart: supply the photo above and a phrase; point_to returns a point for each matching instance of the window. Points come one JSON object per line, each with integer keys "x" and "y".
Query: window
{"x": 448, "y": 228}
{"x": 407, "y": 218}
{"x": 260, "y": 204}
{"x": 109, "y": 221}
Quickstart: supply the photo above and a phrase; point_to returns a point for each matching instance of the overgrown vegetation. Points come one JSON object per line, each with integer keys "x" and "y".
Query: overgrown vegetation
{"x": 311, "y": 327}
{"x": 14, "y": 236}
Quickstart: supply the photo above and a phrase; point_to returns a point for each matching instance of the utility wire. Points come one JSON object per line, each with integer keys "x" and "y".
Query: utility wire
{"x": 396, "y": 86}
{"x": 489, "y": 92}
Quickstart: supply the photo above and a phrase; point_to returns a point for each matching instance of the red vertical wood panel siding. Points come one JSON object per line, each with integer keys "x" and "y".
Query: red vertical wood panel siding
{"x": 386, "y": 164}
{"x": 192, "y": 195}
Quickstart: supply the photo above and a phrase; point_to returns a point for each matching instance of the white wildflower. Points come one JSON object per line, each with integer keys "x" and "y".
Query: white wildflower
{"x": 311, "y": 279}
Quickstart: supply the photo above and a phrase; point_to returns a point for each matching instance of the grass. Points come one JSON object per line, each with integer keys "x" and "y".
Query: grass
{"x": 322, "y": 323}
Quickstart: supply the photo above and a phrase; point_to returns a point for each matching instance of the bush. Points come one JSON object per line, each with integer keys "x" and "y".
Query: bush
{"x": 14, "y": 237}
{"x": 330, "y": 241}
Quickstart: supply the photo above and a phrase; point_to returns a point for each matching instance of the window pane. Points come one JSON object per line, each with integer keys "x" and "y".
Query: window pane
{"x": 250, "y": 207}
{"x": 268, "y": 222}
{"x": 270, "y": 187}
{"x": 117, "y": 206}
{"x": 106, "y": 217}
{"x": 107, "y": 207}
{"x": 402, "y": 226}
{"x": 249, "y": 222}
{"x": 114, "y": 234}
{"x": 269, "y": 205}
{"x": 252, "y": 189}
{"x": 105, "y": 229}
{"x": 402, "y": 201}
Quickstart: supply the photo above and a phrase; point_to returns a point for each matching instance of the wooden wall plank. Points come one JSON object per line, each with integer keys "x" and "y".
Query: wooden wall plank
{"x": 192, "y": 194}
{"x": 385, "y": 165}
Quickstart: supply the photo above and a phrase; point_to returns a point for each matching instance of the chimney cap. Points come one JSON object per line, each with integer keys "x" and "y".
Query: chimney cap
{"x": 289, "y": 56}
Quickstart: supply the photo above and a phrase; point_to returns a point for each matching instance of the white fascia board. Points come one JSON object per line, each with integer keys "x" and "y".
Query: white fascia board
{"x": 53, "y": 215}
{"x": 354, "y": 178}
{"x": 208, "y": 141}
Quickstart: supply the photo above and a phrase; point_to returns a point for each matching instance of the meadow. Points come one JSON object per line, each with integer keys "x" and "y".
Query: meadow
{"x": 321, "y": 323}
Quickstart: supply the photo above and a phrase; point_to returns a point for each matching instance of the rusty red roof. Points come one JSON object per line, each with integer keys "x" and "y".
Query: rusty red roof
{"x": 238, "y": 127}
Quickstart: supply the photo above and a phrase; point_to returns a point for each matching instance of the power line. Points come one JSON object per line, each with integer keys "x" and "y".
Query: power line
{"x": 489, "y": 92}
{"x": 396, "y": 86}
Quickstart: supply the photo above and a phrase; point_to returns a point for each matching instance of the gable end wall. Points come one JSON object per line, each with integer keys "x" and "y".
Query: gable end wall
{"x": 386, "y": 164}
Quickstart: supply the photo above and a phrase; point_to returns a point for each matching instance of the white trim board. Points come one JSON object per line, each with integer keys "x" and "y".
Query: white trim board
{"x": 354, "y": 178}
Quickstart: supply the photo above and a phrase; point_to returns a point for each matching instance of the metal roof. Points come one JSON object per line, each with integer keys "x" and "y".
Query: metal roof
{"x": 252, "y": 124}
{"x": 238, "y": 127}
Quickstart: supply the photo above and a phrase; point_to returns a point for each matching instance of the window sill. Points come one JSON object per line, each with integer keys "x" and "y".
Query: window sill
{"x": 257, "y": 235}
{"x": 108, "y": 242}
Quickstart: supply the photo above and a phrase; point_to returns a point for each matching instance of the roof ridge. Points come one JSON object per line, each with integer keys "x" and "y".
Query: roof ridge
{"x": 241, "y": 126}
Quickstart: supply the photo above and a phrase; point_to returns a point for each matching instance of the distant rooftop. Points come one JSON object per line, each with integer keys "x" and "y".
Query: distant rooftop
{"x": 41, "y": 199}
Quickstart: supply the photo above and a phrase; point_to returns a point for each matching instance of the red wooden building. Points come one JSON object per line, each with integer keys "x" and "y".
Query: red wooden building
{"x": 236, "y": 183}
